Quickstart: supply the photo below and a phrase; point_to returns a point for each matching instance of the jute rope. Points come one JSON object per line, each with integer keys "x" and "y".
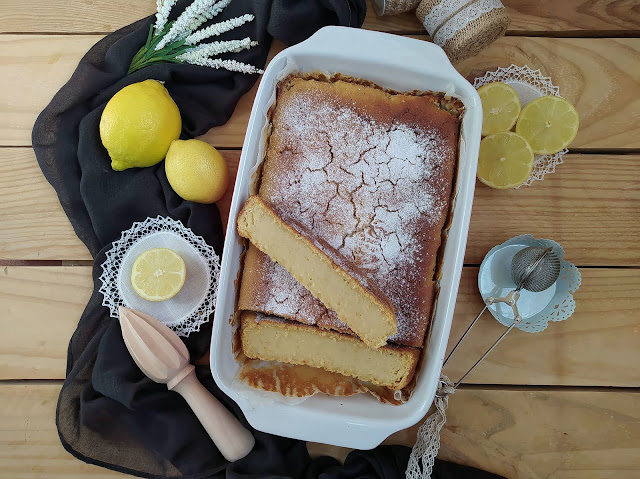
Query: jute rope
{"x": 393, "y": 7}
{"x": 450, "y": 24}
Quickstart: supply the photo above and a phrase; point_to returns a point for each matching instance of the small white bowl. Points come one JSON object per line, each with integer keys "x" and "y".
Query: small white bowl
{"x": 537, "y": 309}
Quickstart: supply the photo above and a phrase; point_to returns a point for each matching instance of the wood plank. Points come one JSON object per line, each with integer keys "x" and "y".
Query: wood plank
{"x": 519, "y": 434}
{"x": 569, "y": 16}
{"x": 599, "y": 75}
{"x": 544, "y": 434}
{"x": 34, "y": 226}
{"x": 33, "y": 70}
{"x": 39, "y": 310}
{"x": 29, "y": 443}
{"x": 605, "y": 321}
{"x": 102, "y": 16}
{"x": 573, "y": 15}
{"x": 585, "y": 350}
{"x": 579, "y": 206}
{"x": 536, "y": 434}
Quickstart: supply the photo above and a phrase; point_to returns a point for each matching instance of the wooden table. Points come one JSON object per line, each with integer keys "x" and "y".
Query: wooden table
{"x": 562, "y": 404}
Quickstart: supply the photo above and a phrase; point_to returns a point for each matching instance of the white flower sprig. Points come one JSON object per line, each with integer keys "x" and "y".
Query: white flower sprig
{"x": 164, "y": 9}
{"x": 178, "y": 41}
{"x": 202, "y": 53}
{"x": 218, "y": 29}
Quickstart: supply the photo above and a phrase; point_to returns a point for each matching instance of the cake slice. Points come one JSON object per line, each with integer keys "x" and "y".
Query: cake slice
{"x": 270, "y": 289}
{"x": 321, "y": 270}
{"x": 273, "y": 339}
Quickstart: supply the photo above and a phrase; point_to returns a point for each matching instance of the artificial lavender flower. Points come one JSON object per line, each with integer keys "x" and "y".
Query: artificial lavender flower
{"x": 230, "y": 65}
{"x": 215, "y": 48}
{"x": 218, "y": 29}
{"x": 206, "y": 15}
{"x": 192, "y": 17}
{"x": 164, "y": 8}
{"x": 177, "y": 41}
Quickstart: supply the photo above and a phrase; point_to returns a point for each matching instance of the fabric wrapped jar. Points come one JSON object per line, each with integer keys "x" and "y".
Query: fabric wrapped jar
{"x": 463, "y": 27}
{"x": 393, "y": 7}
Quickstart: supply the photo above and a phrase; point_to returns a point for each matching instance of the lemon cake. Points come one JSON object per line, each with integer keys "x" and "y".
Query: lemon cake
{"x": 321, "y": 270}
{"x": 270, "y": 338}
{"x": 370, "y": 173}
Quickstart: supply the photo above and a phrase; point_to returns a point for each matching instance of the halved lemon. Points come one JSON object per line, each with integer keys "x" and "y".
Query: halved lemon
{"x": 158, "y": 274}
{"x": 500, "y": 107}
{"x": 549, "y": 124}
{"x": 505, "y": 160}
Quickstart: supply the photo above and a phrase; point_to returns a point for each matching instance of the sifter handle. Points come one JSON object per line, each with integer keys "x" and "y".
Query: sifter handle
{"x": 510, "y": 299}
{"x": 232, "y": 439}
{"x": 473, "y": 323}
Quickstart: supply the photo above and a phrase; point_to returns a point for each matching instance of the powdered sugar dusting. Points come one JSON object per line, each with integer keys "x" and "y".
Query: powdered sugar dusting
{"x": 369, "y": 190}
{"x": 284, "y": 296}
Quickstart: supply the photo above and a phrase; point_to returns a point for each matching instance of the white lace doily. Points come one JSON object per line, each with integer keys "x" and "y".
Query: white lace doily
{"x": 529, "y": 84}
{"x": 536, "y": 309}
{"x": 193, "y": 305}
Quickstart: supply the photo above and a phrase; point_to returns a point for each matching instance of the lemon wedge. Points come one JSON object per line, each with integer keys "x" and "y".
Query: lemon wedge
{"x": 505, "y": 161}
{"x": 158, "y": 274}
{"x": 500, "y": 107}
{"x": 549, "y": 124}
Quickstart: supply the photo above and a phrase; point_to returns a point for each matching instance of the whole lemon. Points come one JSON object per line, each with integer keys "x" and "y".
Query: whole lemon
{"x": 138, "y": 124}
{"x": 196, "y": 171}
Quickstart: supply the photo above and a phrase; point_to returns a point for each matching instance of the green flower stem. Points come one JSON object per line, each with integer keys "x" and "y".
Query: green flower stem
{"x": 147, "y": 58}
{"x": 147, "y": 55}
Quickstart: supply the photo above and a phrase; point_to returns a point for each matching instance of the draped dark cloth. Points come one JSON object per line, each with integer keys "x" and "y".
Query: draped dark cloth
{"x": 108, "y": 412}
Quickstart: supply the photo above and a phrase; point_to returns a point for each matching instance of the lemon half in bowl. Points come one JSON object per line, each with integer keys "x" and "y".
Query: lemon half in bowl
{"x": 158, "y": 274}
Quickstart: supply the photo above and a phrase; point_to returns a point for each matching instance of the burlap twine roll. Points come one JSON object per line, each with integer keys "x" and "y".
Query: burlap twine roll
{"x": 393, "y": 7}
{"x": 455, "y": 29}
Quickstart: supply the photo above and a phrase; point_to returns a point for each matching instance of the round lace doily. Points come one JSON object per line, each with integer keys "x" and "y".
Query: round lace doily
{"x": 529, "y": 84}
{"x": 193, "y": 305}
{"x": 536, "y": 309}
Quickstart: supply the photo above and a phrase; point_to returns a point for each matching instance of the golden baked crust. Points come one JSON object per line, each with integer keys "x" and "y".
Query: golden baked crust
{"x": 370, "y": 173}
{"x": 272, "y": 339}
{"x": 322, "y": 270}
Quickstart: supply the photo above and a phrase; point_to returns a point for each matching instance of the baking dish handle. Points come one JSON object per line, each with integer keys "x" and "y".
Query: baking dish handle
{"x": 374, "y": 47}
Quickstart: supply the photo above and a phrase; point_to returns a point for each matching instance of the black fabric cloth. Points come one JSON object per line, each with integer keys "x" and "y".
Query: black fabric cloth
{"x": 108, "y": 412}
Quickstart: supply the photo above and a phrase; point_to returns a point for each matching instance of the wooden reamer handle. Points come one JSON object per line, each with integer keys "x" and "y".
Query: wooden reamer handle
{"x": 232, "y": 439}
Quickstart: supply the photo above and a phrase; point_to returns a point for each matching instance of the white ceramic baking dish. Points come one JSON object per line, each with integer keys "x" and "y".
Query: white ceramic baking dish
{"x": 402, "y": 64}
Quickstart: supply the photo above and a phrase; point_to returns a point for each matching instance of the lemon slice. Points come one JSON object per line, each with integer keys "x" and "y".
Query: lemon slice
{"x": 500, "y": 107}
{"x": 158, "y": 274}
{"x": 505, "y": 160}
{"x": 549, "y": 124}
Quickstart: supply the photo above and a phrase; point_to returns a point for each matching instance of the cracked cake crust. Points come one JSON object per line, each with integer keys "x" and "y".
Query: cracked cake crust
{"x": 369, "y": 172}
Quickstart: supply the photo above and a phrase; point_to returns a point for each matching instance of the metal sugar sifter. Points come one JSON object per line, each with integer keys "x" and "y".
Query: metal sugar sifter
{"x": 525, "y": 283}
{"x": 534, "y": 269}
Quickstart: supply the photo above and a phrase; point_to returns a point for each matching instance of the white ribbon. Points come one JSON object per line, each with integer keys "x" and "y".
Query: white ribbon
{"x": 427, "y": 443}
{"x": 442, "y": 22}
{"x": 440, "y": 12}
